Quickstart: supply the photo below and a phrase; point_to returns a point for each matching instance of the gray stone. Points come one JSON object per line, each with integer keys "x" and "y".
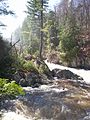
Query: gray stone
{"x": 65, "y": 74}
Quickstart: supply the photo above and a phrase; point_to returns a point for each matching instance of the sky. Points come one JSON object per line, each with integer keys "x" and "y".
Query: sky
{"x": 13, "y": 22}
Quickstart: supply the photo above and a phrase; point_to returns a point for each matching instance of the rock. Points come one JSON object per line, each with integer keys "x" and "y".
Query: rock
{"x": 65, "y": 74}
{"x": 33, "y": 78}
{"x": 18, "y": 76}
{"x": 55, "y": 71}
{"x": 23, "y": 82}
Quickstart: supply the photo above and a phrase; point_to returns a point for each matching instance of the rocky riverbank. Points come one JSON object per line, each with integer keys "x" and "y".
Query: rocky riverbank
{"x": 65, "y": 98}
{"x": 61, "y": 100}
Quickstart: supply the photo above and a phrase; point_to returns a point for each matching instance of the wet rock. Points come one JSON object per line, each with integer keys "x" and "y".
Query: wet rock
{"x": 65, "y": 74}
{"x": 32, "y": 78}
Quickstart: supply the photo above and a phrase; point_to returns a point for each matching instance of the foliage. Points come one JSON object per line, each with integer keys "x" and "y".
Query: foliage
{"x": 50, "y": 31}
{"x": 69, "y": 41}
{"x": 35, "y": 6}
{"x": 29, "y": 66}
{"x": 4, "y": 10}
{"x": 43, "y": 68}
{"x": 34, "y": 46}
{"x": 10, "y": 89}
{"x": 19, "y": 63}
{"x": 66, "y": 28}
{"x": 30, "y": 35}
{"x": 36, "y": 9}
{"x": 6, "y": 58}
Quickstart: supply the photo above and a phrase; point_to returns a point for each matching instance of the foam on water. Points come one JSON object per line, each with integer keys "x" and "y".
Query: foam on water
{"x": 85, "y": 74}
{"x": 14, "y": 116}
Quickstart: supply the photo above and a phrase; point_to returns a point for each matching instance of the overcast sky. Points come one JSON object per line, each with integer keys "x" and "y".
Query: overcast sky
{"x": 13, "y": 22}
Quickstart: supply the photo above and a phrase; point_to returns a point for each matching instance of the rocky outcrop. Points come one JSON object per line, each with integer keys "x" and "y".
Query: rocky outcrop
{"x": 33, "y": 78}
{"x": 65, "y": 74}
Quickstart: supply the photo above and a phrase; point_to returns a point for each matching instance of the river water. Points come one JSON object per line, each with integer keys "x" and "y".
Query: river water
{"x": 85, "y": 74}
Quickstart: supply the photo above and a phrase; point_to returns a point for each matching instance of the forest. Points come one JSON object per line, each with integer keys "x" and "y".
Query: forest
{"x": 60, "y": 36}
{"x": 64, "y": 31}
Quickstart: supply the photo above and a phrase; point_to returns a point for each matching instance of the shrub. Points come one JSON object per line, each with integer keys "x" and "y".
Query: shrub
{"x": 7, "y": 59}
{"x": 10, "y": 89}
{"x": 29, "y": 66}
{"x": 19, "y": 63}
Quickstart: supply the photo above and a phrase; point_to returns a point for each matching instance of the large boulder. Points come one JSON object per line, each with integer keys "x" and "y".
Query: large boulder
{"x": 65, "y": 74}
{"x": 34, "y": 74}
{"x": 36, "y": 79}
{"x": 33, "y": 78}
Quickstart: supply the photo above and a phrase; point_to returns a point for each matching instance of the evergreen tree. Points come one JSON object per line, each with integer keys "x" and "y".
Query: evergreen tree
{"x": 4, "y": 10}
{"x": 36, "y": 9}
{"x": 30, "y": 33}
{"x": 69, "y": 38}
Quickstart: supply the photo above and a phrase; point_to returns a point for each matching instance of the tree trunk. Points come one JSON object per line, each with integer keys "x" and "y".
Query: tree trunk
{"x": 41, "y": 34}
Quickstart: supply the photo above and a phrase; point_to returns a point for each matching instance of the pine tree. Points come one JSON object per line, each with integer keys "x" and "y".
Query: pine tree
{"x": 36, "y": 9}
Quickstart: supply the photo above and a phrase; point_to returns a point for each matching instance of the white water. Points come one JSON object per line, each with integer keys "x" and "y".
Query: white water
{"x": 85, "y": 74}
{"x": 14, "y": 116}
{"x": 46, "y": 88}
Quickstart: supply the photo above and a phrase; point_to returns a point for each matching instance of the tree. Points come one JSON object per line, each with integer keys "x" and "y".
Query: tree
{"x": 69, "y": 44}
{"x": 69, "y": 31}
{"x": 50, "y": 30}
{"x": 73, "y": 19}
{"x": 30, "y": 33}
{"x": 36, "y": 8}
{"x": 4, "y": 10}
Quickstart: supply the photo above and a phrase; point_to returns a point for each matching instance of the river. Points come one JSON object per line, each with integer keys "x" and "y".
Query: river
{"x": 85, "y": 74}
